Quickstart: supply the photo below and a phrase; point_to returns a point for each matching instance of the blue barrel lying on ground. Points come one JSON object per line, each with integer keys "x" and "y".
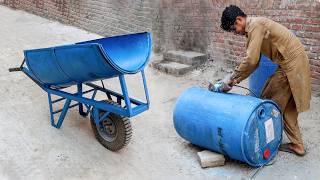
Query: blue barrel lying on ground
{"x": 259, "y": 77}
{"x": 90, "y": 60}
{"x": 244, "y": 128}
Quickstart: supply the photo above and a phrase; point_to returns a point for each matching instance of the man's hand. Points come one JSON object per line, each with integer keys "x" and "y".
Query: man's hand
{"x": 229, "y": 80}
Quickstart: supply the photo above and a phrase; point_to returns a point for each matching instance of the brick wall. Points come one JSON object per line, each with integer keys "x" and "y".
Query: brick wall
{"x": 105, "y": 17}
{"x": 185, "y": 24}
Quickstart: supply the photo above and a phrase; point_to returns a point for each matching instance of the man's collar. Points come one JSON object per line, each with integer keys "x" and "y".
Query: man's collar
{"x": 248, "y": 23}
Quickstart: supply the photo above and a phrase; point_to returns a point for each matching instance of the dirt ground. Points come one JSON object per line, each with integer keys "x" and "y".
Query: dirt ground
{"x": 30, "y": 148}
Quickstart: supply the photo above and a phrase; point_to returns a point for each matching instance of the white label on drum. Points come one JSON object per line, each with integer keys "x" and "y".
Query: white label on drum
{"x": 268, "y": 125}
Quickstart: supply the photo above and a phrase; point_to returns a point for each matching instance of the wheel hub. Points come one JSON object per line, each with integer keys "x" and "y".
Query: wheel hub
{"x": 107, "y": 130}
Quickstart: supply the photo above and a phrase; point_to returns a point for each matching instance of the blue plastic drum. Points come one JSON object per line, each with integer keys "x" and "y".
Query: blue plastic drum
{"x": 244, "y": 128}
{"x": 259, "y": 77}
{"x": 89, "y": 61}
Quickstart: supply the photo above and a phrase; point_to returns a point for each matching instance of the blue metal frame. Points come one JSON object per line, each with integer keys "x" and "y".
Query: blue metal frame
{"x": 89, "y": 103}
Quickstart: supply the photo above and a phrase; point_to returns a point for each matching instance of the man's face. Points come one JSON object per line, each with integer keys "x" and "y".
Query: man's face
{"x": 239, "y": 26}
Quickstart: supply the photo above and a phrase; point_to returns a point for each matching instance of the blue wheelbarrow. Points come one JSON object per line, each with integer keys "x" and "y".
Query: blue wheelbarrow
{"x": 87, "y": 64}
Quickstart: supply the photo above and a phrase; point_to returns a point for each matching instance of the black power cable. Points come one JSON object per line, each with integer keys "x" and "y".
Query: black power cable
{"x": 247, "y": 89}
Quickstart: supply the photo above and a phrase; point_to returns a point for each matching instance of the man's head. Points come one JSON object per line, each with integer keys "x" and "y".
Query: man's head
{"x": 233, "y": 20}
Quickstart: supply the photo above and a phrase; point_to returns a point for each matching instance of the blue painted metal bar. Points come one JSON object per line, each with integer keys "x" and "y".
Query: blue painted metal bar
{"x": 84, "y": 100}
{"x": 71, "y": 106}
{"x": 92, "y": 98}
{"x": 134, "y": 101}
{"x": 57, "y": 100}
{"x": 139, "y": 109}
{"x": 119, "y": 100}
{"x": 104, "y": 116}
{"x": 96, "y": 116}
{"x": 62, "y": 115}
{"x": 125, "y": 94}
{"x": 85, "y": 92}
{"x": 145, "y": 87}
{"x": 91, "y": 102}
{"x": 80, "y": 93}
{"x": 50, "y": 108}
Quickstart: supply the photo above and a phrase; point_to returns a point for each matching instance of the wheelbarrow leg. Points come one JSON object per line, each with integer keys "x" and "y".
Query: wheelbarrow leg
{"x": 62, "y": 115}
{"x": 81, "y": 112}
{"x": 145, "y": 87}
{"x": 125, "y": 93}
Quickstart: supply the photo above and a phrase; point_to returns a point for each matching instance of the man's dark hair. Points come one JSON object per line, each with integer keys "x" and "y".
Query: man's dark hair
{"x": 229, "y": 16}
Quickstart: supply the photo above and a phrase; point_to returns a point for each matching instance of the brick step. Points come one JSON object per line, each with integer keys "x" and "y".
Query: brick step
{"x": 210, "y": 159}
{"x": 185, "y": 57}
{"x": 173, "y": 68}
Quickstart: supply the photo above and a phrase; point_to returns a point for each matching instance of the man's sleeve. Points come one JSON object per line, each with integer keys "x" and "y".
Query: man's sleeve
{"x": 250, "y": 62}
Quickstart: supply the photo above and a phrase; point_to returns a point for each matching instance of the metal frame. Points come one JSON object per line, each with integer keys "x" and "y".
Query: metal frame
{"x": 91, "y": 103}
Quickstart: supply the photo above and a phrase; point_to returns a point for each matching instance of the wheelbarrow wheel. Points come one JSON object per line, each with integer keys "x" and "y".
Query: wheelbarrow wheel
{"x": 114, "y": 132}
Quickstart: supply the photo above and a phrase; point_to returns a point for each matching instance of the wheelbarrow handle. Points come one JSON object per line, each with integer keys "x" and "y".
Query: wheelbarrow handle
{"x": 17, "y": 68}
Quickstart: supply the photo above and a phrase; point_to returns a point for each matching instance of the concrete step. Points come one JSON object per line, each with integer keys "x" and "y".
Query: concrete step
{"x": 173, "y": 68}
{"x": 185, "y": 57}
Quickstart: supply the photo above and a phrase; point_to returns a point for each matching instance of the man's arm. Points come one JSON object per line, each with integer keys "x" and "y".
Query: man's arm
{"x": 250, "y": 62}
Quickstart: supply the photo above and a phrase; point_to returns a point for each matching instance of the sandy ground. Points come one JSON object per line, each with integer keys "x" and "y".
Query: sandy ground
{"x": 31, "y": 149}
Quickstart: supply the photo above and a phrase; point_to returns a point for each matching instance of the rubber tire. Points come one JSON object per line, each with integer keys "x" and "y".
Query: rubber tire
{"x": 123, "y": 128}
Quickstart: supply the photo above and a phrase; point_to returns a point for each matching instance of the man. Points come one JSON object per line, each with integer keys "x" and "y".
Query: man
{"x": 289, "y": 87}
